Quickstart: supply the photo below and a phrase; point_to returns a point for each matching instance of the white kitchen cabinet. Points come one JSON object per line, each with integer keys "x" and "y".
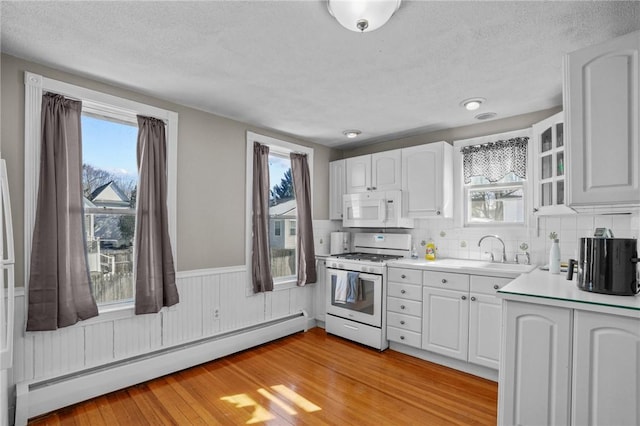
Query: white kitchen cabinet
{"x": 404, "y": 306}
{"x": 337, "y": 188}
{"x": 374, "y": 172}
{"x": 485, "y": 318}
{"x": 462, "y": 317}
{"x": 549, "y": 167}
{"x": 606, "y": 369}
{"x": 445, "y": 318}
{"x": 602, "y": 101}
{"x": 427, "y": 180}
{"x": 535, "y": 365}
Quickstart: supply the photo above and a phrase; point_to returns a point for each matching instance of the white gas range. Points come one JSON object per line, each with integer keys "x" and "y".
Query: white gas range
{"x": 357, "y": 287}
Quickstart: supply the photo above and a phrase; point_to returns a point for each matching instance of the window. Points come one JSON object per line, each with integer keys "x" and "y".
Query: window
{"x": 493, "y": 173}
{"x": 282, "y": 206}
{"x": 109, "y": 180}
{"x": 109, "y": 132}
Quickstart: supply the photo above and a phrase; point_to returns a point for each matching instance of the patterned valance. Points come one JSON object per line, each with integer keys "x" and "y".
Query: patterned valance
{"x": 494, "y": 160}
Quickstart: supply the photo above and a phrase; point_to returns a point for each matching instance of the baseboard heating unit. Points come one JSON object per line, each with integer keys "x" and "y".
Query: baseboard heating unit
{"x": 39, "y": 397}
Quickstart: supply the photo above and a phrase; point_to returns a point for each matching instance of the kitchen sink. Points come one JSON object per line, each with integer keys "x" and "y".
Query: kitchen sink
{"x": 471, "y": 266}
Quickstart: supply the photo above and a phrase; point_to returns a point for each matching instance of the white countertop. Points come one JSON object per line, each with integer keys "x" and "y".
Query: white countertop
{"x": 542, "y": 287}
{"x": 464, "y": 266}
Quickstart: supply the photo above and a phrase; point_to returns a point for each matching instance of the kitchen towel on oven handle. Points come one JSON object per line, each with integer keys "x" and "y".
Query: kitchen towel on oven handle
{"x": 339, "y": 280}
{"x": 354, "y": 287}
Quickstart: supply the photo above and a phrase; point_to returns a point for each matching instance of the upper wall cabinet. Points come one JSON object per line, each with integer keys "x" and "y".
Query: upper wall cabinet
{"x": 548, "y": 150}
{"x": 337, "y": 188}
{"x": 601, "y": 98}
{"x": 427, "y": 180}
{"x": 374, "y": 172}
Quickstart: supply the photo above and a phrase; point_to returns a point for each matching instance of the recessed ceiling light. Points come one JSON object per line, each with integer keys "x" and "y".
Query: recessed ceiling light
{"x": 472, "y": 104}
{"x": 485, "y": 115}
{"x": 351, "y": 133}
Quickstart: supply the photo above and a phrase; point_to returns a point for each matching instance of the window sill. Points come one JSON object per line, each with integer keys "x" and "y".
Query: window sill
{"x": 111, "y": 313}
{"x": 284, "y": 285}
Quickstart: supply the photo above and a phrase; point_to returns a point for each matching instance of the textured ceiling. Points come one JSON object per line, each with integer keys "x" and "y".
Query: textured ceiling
{"x": 290, "y": 67}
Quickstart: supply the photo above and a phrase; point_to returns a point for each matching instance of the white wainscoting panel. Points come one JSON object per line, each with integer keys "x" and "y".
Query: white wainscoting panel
{"x": 212, "y": 301}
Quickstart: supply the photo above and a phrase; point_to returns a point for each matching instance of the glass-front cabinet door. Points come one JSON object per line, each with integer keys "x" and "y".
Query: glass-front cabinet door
{"x": 549, "y": 166}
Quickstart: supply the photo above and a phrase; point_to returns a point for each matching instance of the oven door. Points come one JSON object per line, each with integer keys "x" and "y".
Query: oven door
{"x": 354, "y": 295}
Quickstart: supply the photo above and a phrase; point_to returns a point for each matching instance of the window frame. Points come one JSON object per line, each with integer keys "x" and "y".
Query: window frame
{"x": 281, "y": 147}
{"x": 461, "y": 204}
{"x": 98, "y": 103}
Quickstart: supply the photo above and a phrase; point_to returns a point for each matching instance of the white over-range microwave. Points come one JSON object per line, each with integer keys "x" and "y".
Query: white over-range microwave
{"x": 376, "y": 209}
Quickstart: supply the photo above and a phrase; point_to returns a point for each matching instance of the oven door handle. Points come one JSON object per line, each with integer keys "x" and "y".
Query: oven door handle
{"x": 372, "y": 277}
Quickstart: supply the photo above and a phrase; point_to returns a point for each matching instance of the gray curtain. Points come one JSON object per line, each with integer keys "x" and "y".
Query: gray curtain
{"x": 59, "y": 289}
{"x": 260, "y": 255}
{"x": 155, "y": 272}
{"x": 494, "y": 160}
{"x": 302, "y": 188}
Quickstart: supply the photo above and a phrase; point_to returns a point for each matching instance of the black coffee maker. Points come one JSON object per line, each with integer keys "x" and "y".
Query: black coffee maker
{"x": 607, "y": 265}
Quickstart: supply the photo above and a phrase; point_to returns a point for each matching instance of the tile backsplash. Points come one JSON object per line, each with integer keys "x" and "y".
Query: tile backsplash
{"x": 463, "y": 242}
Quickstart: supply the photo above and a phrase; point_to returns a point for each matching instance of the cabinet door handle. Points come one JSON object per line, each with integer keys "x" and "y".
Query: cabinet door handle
{"x": 444, "y": 281}
{"x": 402, "y": 322}
{"x": 403, "y": 291}
{"x": 401, "y": 337}
{"x": 535, "y": 210}
{"x": 473, "y": 299}
{"x": 438, "y": 212}
{"x": 402, "y": 307}
{"x": 374, "y": 188}
{"x": 496, "y": 286}
{"x": 403, "y": 276}
{"x": 464, "y": 297}
{"x": 368, "y": 188}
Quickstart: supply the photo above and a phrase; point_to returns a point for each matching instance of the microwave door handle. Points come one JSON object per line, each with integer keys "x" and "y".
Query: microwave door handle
{"x": 383, "y": 210}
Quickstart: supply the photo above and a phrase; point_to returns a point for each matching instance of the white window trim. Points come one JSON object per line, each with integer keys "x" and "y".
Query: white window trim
{"x": 280, "y": 147}
{"x": 460, "y": 203}
{"x": 95, "y": 102}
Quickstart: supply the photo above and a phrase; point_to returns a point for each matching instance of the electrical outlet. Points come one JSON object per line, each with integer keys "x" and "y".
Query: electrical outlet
{"x": 216, "y": 313}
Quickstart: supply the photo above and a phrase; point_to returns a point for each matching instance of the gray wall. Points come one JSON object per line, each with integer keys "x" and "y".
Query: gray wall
{"x": 211, "y": 171}
{"x": 475, "y": 130}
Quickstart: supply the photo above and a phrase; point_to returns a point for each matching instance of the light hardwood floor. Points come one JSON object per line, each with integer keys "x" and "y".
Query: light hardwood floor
{"x": 305, "y": 379}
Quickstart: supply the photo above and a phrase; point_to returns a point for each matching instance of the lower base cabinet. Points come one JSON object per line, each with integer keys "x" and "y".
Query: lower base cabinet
{"x": 566, "y": 366}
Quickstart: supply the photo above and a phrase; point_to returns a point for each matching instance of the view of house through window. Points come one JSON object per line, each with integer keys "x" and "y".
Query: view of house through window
{"x": 109, "y": 180}
{"x": 500, "y": 202}
{"x": 282, "y": 217}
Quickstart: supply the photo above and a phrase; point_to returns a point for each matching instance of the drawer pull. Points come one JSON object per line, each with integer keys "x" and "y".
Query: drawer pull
{"x": 473, "y": 299}
{"x": 464, "y": 297}
{"x": 402, "y": 322}
{"x": 403, "y": 276}
{"x": 402, "y": 307}
{"x": 401, "y": 337}
{"x": 496, "y": 286}
{"x": 403, "y": 291}
{"x": 444, "y": 281}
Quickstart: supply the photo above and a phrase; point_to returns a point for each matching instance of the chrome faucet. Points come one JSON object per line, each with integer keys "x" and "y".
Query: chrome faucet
{"x": 504, "y": 252}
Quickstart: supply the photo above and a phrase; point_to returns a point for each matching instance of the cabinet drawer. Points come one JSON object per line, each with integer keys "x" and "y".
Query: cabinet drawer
{"x": 403, "y": 306}
{"x": 405, "y": 337}
{"x": 413, "y": 276}
{"x": 405, "y": 291}
{"x": 447, "y": 280}
{"x": 487, "y": 285}
{"x": 405, "y": 322}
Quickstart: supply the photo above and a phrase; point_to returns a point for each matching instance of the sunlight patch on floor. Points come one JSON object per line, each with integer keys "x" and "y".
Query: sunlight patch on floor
{"x": 261, "y": 414}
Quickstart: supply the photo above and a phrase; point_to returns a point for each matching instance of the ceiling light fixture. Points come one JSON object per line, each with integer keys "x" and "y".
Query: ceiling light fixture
{"x": 472, "y": 104}
{"x": 351, "y": 133}
{"x": 362, "y": 15}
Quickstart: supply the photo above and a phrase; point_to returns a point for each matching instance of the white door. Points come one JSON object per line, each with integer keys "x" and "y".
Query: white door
{"x": 358, "y": 174}
{"x": 534, "y": 386}
{"x": 445, "y": 327}
{"x": 602, "y": 97}
{"x": 606, "y": 370}
{"x": 385, "y": 170}
{"x": 337, "y": 188}
{"x": 485, "y": 316}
